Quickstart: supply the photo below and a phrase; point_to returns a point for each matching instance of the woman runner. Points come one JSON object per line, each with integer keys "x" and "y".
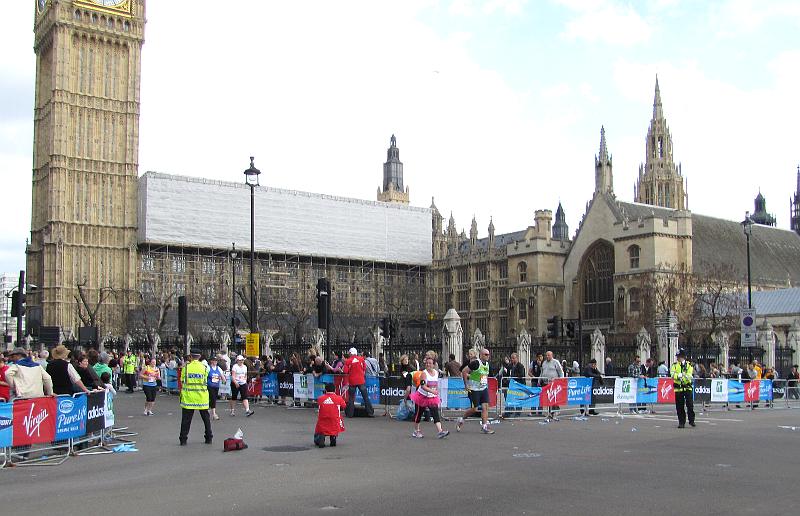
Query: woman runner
{"x": 427, "y": 396}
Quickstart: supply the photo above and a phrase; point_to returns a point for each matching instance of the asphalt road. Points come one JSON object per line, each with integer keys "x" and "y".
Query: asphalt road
{"x": 738, "y": 462}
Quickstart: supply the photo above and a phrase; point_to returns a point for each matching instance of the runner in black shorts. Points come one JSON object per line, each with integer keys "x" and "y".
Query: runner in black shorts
{"x": 239, "y": 386}
{"x": 476, "y": 380}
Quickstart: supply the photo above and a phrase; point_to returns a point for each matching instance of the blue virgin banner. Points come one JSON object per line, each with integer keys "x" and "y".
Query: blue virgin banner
{"x": 6, "y": 427}
{"x": 647, "y": 390}
{"x": 520, "y": 395}
{"x": 579, "y": 391}
{"x": 71, "y": 417}
{"x": 765, "y": 390}
{"x": 457, "y": 397}
{"x": 735, "y": 391}
{"x": 269, "y": 384}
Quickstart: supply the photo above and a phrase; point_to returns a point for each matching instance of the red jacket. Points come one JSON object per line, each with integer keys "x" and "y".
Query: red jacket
{"x": 354, "y": 368}
{"x": 329, "y": 420}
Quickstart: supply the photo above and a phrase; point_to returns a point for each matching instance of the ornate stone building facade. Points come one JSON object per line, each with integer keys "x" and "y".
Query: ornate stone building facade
{"x": 85, "y": 158}
{"x": 393, "y": 177}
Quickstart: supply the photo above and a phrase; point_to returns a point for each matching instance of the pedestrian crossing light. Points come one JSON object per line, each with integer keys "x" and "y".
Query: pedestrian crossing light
{"x": 553, "y": 327}
{"x": 570, "y": 330}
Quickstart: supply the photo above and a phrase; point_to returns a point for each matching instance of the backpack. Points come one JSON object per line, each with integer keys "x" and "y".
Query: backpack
{"x": 233, "y": 444}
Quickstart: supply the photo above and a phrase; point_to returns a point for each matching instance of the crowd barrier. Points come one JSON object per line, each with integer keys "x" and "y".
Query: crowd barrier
{"x": 46, "y": 431}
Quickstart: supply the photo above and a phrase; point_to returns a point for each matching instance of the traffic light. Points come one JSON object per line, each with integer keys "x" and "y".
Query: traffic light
{"x": 323, "y": 303}
{"x": 386, "y": 328}
{"x": 570, "y": 329}
{"x": 553, "y": 327}
{"x": 17, "y": 304}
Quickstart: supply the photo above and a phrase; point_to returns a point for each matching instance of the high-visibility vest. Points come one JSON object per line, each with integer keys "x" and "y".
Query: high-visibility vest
{"x": 129, "y": 364}
{"x": 682, "y": 376}
{"x": 194, "y": 389}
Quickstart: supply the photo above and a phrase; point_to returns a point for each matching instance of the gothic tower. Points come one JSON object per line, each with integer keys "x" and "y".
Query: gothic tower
{"x": 603, "y": 168}
{"x": 393, "y": 176}
{"x": 660, "y": 181}
{"x": 560, "y": 228}
{"x": 85, "y": 160}
{"x": 760, "y": 214}
{"x": 794, "y": 207}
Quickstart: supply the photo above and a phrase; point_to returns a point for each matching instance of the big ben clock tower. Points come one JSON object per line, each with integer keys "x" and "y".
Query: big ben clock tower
{"x": 85, "y": 160}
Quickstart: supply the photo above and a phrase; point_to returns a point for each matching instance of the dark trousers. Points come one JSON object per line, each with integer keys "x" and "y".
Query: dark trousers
{"x": 130, "y": 381}
{"x": 186, "y": 423}
{"x": 681, "y": 399}
{"x": 351, "y": 400}
{"x": 319, "y": 440}
{"x": 791, "y": 391}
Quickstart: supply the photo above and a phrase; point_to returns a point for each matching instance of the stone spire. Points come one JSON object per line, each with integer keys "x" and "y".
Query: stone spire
{"x": 560, "y": 228}
{"x": 760, "y": 215}
{"x": 794, "y": 207}
{"x": 660, "y": 181}
{"x": 491, "y": 232}
{"x": 603, "y": 167}
{"x": 473, "y": 231}
{"x": 393, "y": 176}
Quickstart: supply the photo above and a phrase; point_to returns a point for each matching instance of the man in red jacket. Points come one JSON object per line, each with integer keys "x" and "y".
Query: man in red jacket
{"x": 329, "y": 420}
{"x": 354, "y": 369}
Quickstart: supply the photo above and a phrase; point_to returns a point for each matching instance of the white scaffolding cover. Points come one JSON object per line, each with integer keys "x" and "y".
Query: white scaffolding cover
{"x": 196, "y": 212}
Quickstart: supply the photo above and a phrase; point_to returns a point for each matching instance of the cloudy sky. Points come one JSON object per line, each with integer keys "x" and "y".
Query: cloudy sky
{"x": 496, "y": 104}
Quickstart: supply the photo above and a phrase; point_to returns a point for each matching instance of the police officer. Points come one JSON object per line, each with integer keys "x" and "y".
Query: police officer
{"x": 682, "y": 372}
{"x": 194, "y": 396}
{"x": 129, "y": 370}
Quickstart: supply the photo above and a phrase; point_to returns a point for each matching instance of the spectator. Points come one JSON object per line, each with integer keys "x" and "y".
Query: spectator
{"x": 89, "y": 377}
{"x": 592, "y": 372}
{"x": 99, "y": 362}
{"x": 414, "y": 362}
{"x": 337, "y": 363}
{"x": 662, "y": 370}
{"x": 43, "y": 356}
{"x": 636, "y": 370}
{"x": 609, "y": 368}
{"x": 318, "y": 368}
{"x": 551, "y": 370}
{"x": 384, "y": 370}
{"x": 406, "y": 374}
{"x": 65, "y": 378}
{"x": 371, "y": 364}
{"x": 514, "y": 371}
{"x": 354, "y": 368}
{"x": 106, "y": 379}
{"x": 453, "y": 367}
{"x": 650, "y": 369}
{"x": 702, "y": 372}
{"x": 26, "y": 378}
{"x": 5, "y": 393}
{"x": 536, "y": 367}
{"x": 792, "y": 384}
{"x": 224, "y": 360}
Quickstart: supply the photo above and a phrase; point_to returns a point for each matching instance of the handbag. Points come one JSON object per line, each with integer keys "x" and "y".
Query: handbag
{"x": 233, "y": 444}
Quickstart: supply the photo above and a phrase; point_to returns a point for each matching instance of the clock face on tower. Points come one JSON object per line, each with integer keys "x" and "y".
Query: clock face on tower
{"x": 123, "y": 6}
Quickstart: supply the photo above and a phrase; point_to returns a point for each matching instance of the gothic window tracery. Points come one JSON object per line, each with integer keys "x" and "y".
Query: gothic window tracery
{"x": 597, "y": 280}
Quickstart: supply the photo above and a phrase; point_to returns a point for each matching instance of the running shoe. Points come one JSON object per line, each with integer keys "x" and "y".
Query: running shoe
{"x": 486, "y": 430}
{"x": 459, "y": 424}
{"x": 443, "y": 434}
{"x": 233, "y": 413}
{"x": 249, "y": 413}
{"x": 417, "y": 435}
{"x": 145, "y": 413}
{"x": 150, "y": 413}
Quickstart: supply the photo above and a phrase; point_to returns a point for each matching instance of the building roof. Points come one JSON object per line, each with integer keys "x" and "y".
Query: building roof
{"x": 777, "y": 302}
{"x": 500, "y": 241}
{"x": 774, "y": 252}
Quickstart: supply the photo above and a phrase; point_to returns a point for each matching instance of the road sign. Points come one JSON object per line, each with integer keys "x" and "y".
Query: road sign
{"x": 251, "y": 345}
{"x": 749, "y": 334}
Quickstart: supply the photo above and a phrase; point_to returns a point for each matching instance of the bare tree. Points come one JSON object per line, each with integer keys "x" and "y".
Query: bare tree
{"x": 154, "y": 307}
{"x": 669, "y": 288}
{"x": 87, "y": 314}
{"x": 718, "y": 302}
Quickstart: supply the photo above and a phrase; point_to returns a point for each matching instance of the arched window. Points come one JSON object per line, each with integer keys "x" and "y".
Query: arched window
{"x": 523, "y": 310}
{"x": 522, "y": 268}
{"x": 634, "y": 300}
{"x": 633, "y": 253}
{"x": 597, "y": 280}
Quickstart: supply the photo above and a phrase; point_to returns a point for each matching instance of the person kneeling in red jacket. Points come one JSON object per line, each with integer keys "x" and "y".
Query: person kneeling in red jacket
{"x": 329, "y": 420}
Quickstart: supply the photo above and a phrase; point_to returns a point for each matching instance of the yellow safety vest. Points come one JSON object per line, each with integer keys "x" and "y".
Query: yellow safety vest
{"x": 194, "y": 389}
{"x": 682, "y": 376}
{"x": 129, "y": 364}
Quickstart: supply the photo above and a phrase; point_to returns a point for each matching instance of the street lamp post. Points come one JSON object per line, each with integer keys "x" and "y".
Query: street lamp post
{"x": 747, "y": 226}
{"x": 251, "y": 179}
{"x": 234, "y": 254}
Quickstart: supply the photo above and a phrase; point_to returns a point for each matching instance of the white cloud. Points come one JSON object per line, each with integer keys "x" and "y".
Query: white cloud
{"x": 732, "y": 18}
{"x": 605, "y": 22}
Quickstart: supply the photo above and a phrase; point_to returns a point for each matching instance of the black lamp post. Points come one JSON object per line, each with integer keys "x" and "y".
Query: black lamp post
{"x": 747, "y": 225}
{"x": 234, "y": 254}
{"x": 251, "y": 179}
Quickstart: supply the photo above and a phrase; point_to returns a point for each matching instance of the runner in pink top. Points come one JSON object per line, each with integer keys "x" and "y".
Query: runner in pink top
{"x": 427, "y": 396}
